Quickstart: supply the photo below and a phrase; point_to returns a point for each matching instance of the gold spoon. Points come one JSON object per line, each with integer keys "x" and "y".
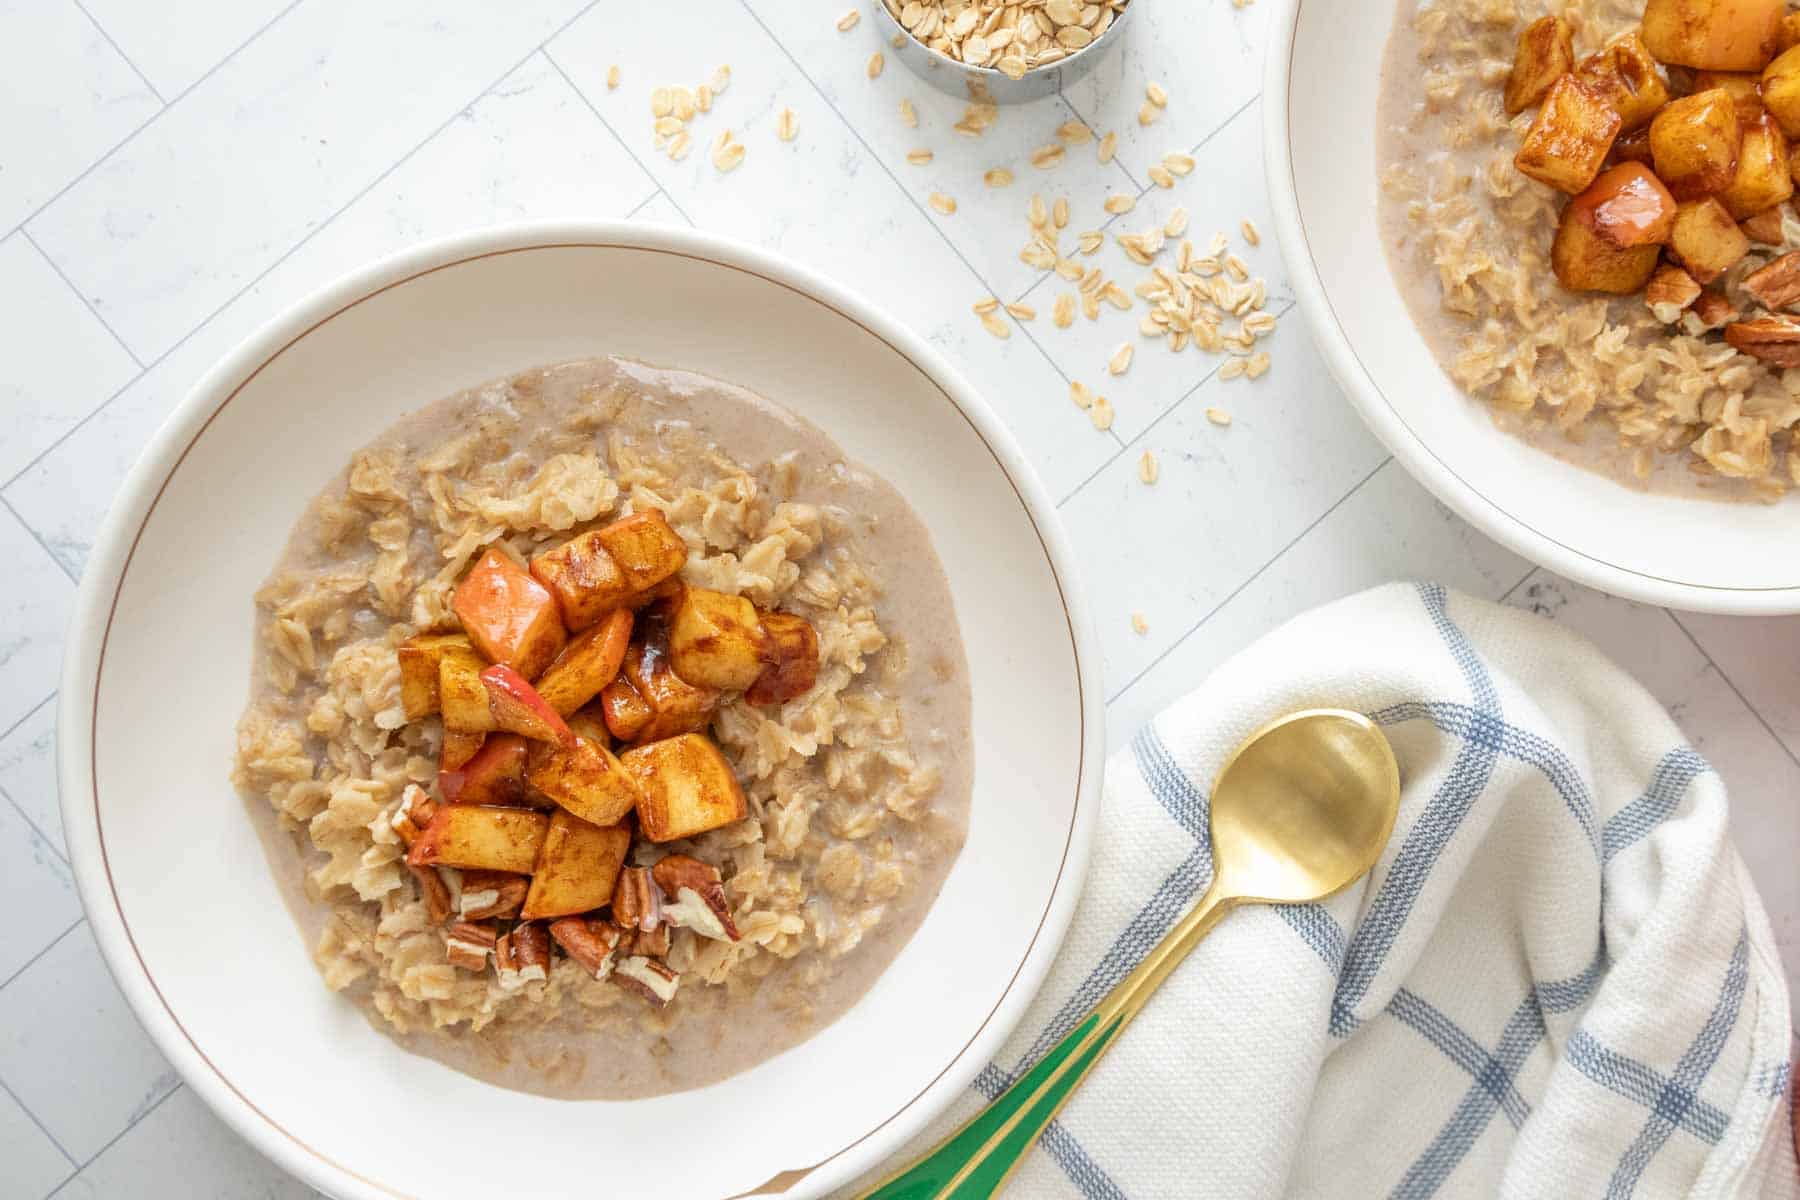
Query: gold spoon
{"x": 1301, "y": 810}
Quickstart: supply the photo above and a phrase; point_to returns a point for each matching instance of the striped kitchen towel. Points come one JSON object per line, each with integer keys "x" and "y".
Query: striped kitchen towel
{"x": 1558, "y": 981}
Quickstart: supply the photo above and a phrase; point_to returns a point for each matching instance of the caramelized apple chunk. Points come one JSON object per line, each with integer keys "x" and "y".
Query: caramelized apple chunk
{"x": 472, "y": 835}
{"x": 419, "y": 659}
{"x": 587, "y": 780}
{"x": 688, "y": 787}
{"x": 1762, "y": 180}
{"x": 1705, "y": 240}
{"x": 794, "y": 647}
{"x": 1546, "y": 52}
{"x": 1584, "y": 261}
{"x": 1627, "y": 206}
{"x": 588, "y": 663}
{"x": 509, "y": 616}
{"x": 576, "y": 868}
{"x": 495, "y": 775}
{"x": 1628, "y": 79}
{"x": 1713, "y": 35}
{"x": 1695, "y": 142}
{"x": 1569, "y": 137}
{"x": 716, "y": 640}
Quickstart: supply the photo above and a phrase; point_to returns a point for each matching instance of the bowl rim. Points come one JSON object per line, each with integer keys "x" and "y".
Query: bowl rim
{"x": 168, "y": 448}
{"x": 1385, "y": 419}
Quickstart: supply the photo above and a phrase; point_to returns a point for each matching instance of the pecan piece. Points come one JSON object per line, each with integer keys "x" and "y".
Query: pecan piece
{"x": 1669, "y": 293}
{"x": 654, "y": 944}
{"x": 466, "y": 944}
{"x": 1775, "y": 340}
{"x": 650, "y": 979}
{"x": 435, "y": 892}
{"x": 636, "y": 902}
{"x": 590, "y": 941}
{"x": 698, "y": 894}
{"x": 492, "y": 894}
{"x": 1778, "y": 284}
{"x": 414, "y": 812}
{"x": 1765, "y": 226}
{"x": 1713, "y": 311}
{"x": 522, "y": 956}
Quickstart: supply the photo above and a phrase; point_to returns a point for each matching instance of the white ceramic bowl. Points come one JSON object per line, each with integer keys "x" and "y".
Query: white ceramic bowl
{"x": 175, "y": 882}
{"x": 1319, "y": 100}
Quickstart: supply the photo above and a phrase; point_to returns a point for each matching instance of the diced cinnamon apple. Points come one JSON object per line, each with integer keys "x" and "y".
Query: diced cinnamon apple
{"x": 1629, "y": 80}
{"x": 1546, "y": 51}
{"x": 1713, "y": 35}
{"x": 576, "y": 867}
{"x": 459, "y": 748}
{"x": 1695, "y": 142}
{"x": 494, "y": 775}
{"x": 1765, "y": 226}
{"x": 587, "y": 581}
{"x": 586, "y": 779}
{"x": 588, "y": 663}
{"x": 1632, "y": 147}
{"x": 518, "y": 708}
{"x": 1786, "y": 38}
{"x": 1781, "y": 91}
{"x": 1744, "y": 88}
{"x": 419, "y": 658}
{"x": 794, "y": 648}
{"x": 590, "y": 723}
{"x": 688, "y": 787}
{"x": 626, "y": 713}
{"x": 509, "y": 616}
{"x": 1627, "y": 206}
{"x": 676, "y": 706}
{"x": 644, "y": 546}
{"x": 472, "y": 835}
{"x": 1762, "y": 180}
{"x": 462, "y": 697}
{"x": 1569, "y": 137}
{"x": 1586, "y": 262}
{"x": 716, "y": 640}
{"x": 1705, "y": 240}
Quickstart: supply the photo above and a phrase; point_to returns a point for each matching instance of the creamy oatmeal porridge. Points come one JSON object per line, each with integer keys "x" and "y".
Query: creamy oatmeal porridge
{"x": 609, "y": 731}
{"x": 1585, "y": 204}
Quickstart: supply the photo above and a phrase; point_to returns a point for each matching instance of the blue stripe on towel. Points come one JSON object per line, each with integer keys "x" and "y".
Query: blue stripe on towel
{"x": 1667, "y": 787}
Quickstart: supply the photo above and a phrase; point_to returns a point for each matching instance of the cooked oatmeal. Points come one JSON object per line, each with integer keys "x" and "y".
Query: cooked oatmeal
{"x": 1643, "y": 390}
{"x": 854, "y": 791}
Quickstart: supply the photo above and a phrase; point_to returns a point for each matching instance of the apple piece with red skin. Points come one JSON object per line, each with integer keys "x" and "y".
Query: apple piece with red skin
{"x": 509, "y": 616}
{"x": 588, "y": 663}
{"x": 477, "y": 836}
{"x": 518, "y": 708}
{"x": 625, "y": 712}
{"x": 459, "y": 748}
{"x": 494, "y": 776}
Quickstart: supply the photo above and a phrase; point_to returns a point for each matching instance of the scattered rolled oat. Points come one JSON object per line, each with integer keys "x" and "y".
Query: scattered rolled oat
{"x": 1139, "y": 625}
{"x": 1023, "y": 312}
{"x": 1147, "y": 113}
{"x": 1218, "y": 416}
{"x": 1119, "y": 202}
{"x": 1236, "y": 268}
{"x": 876, "y": 62}
{"x": 1045, "y": 157}
{"x": 909, "y": 114}
{"x": 1079, "y": 393}
{"x": 1059, "y": 212}
{"x": 1120, "y": 362}
{"x": 787, "y": 125}
{"x": 1176, "y": 225}
{"x": 1108, "y": 144}
{"x": 1063, "y": 312}
{"x": 1155, "y": 94}
{"x": 982, "y": 307}
{"x": 976, "y": 118}
{"x": 1101, "y": 413}
{"x": 679, "y": 145}
{"x": 1090, "y": 241}
{"x": 703, "y": 97}
{"x": 727, "y": 152}
{"x": 919, "y": 157}
{"x": 1259, "y": 323}
{"x": 721, "y": 79}
{"x": 1075, "y": 133}
{"x": 1233, "y": 368}
{"x": 1036, "y": 213}
{"x": 662, "y": 102}
{"x": 1250, "y": 233}
{"x": 1178, "y": 164}
{"x": 848, "y": 21}
{"x": 1147, "y": 468}
{"x": 996, "y": 326}
{"x": 1159, "y": 175}
{"x": 1259, "y": 366}
{"x": 612, "y": 77}
{"x": 943, "y": 203}
{"x": 998, "y": 177}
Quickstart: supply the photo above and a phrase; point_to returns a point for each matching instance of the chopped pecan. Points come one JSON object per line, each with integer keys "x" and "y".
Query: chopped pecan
{"x": 492, "y": 894}
{"x": 435, "y": 893}
{"x": 522, "y": 956}
{"x": 1713, "y": 311}
{"x": 1670, "y": 291}
{"x": 1778, "y": 284}
{"x": 1775, "y": 340}
{"x": 590, "y": 941}
{"x": 413, "y": 814}
{"x": 636, "y": 903}
{"x": 1765, "y": 226}
{"x": 654, "y": 944}
{"x": 650, "y": 979}
{"x": 698, "y": 894}
{"x": 467, "y": 944}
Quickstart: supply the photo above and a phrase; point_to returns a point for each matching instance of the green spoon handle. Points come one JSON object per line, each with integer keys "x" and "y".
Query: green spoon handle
{"x": 977, "y": 1159}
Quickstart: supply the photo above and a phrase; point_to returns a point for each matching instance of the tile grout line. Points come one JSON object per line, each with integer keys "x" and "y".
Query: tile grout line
{"x": 39, "y": 539}
{"x": 614, "y": 133}
{"x": 1125, "y": 447}
{"x": 1507, "y": 594}
{"x": 888, "y": 171}
{"x": 114, "y": 1140}
{"x": 43, "y": 1129}
{"x": 297, "y": 246}
{"x": 33, "y": 826}
{"x": 81, "y": 296}
{"x": 29, "y": 713}
{"x": 1252, "y": 578}
{"x": 123, "y": 57}
{"x": 51, "y": 945}
{"x": 146, "y": 123}
{"x": 1735, "y": 690}
{"x": 641, "y": 204}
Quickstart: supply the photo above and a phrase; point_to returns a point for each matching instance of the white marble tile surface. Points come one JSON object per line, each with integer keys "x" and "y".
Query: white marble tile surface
{"x": 181, "y": 173}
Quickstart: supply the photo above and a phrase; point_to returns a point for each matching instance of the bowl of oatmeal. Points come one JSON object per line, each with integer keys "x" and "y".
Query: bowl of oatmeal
{"x": 1618, "y": 406}
{"x": 598, "y": 689}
